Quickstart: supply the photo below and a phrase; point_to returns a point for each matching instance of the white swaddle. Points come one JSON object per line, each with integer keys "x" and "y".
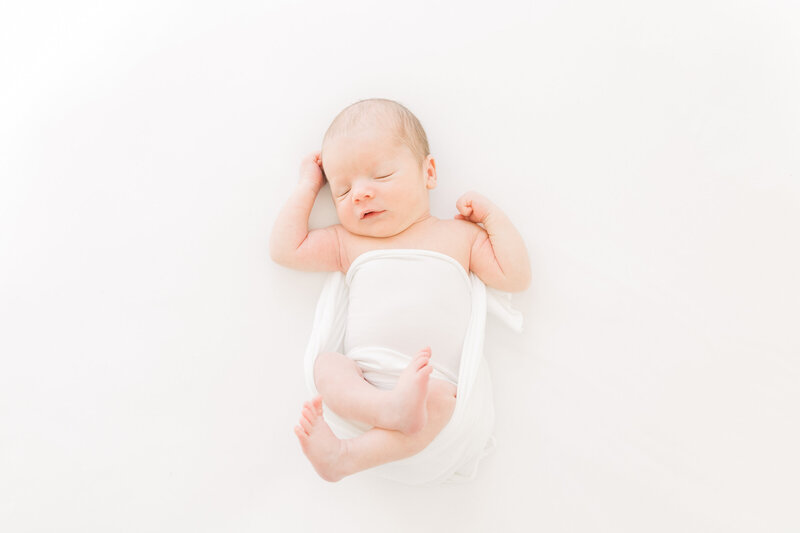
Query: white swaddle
{"x": 401, "y": 304}
{"x": 454, "y": 318}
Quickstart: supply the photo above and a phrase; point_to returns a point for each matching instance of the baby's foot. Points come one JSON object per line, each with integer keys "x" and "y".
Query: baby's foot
{"x": 320, "y": 445}
{"x": 407, "y": 411}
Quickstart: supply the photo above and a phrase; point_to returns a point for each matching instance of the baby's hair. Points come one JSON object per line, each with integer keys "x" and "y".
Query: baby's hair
{"x": 384, "y": 113}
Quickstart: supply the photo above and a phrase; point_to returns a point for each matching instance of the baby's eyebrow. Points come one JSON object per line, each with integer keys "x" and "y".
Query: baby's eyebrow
{"x": 370, "y": 170}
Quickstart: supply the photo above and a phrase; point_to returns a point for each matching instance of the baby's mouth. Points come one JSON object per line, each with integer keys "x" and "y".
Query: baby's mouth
{"x": 369, "y": 214}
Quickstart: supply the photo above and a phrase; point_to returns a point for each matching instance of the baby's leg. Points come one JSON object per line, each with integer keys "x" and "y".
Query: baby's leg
{"x": 344, "y": 389}
{"x": 334, "y": 459}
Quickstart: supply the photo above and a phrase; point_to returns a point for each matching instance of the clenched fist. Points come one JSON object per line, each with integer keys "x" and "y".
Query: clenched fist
{"x": 474, "y": 207}
{"x": 311, "y": 171}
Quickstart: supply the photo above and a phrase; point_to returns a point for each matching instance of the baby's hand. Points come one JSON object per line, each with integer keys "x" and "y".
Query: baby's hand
{"x": 473, "y": 207}
{"x": 311, "y": 171}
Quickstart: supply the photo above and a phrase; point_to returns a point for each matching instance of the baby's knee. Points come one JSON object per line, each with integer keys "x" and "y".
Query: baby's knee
{"x": 440, "y": 389}
{"x": 322, "y": 367}
{"x": 331, "y": 368}
{"x": 441, "y": 398}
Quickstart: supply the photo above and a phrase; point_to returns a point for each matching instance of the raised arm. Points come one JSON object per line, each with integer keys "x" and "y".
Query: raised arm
{"x": 498, "y": 256}
{"x": 291, "y": 244}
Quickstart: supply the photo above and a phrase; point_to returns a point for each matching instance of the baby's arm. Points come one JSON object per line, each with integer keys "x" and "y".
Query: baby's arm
{"x": 291, "y": 243}
{"x": 498, "y": 256}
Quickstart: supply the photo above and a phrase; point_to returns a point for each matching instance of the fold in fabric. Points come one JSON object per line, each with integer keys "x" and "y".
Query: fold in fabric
{"x": 454, "y": 454}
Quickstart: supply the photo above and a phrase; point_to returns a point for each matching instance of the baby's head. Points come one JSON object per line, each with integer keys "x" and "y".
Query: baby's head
{"x": 376, "y": 158}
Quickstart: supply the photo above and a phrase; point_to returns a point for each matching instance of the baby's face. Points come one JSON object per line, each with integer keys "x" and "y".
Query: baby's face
{"x": 377, "y": 184}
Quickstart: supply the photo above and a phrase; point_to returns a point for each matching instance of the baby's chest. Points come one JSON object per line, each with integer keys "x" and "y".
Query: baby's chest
{"x": 452, "y": 240}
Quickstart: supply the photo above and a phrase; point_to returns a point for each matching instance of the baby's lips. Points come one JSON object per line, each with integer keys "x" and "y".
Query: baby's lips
{"x": 363, "y": 214}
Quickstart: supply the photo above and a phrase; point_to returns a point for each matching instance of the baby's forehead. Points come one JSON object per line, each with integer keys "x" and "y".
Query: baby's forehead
{"x": 365, "y": 149}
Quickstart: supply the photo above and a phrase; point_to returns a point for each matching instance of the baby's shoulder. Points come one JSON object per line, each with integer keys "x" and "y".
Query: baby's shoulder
{"x": 455, "y": 238}
{"x": 463, "y": 230}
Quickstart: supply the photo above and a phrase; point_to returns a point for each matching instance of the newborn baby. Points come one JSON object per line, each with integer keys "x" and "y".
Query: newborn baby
{"x": 399, "y": 372}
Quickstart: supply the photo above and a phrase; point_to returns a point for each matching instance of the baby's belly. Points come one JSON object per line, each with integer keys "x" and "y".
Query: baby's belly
{"x": 403, "y": 306}
{"x": 407, "y": 329}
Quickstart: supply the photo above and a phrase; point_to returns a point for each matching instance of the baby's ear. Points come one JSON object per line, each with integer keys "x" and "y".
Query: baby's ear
{"x": 430, "y": 172}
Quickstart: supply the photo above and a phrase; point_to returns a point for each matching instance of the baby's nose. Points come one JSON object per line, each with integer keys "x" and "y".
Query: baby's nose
{"x": 362, "y": 192}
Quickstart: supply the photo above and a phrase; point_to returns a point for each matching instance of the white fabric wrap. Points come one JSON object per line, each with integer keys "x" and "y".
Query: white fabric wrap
{"x": 454, "y": 454}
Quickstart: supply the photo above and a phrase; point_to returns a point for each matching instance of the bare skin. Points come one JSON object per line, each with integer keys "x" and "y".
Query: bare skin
{"x": 335, "y": 458}
{"x": 344, "y": 389}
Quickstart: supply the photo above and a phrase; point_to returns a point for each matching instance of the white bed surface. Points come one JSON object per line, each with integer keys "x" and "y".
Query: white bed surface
{"x": 151, "y": 355}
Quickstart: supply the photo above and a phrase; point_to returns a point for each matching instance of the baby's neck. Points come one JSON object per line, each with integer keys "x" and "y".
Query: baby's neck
{"x": 422, "y": 222}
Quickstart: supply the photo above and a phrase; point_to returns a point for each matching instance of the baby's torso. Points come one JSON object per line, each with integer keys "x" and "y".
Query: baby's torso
{"x": 406, "y": 301}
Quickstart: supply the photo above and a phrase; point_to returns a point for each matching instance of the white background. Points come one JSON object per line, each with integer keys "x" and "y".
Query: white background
{"x": 151, "y": 354}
